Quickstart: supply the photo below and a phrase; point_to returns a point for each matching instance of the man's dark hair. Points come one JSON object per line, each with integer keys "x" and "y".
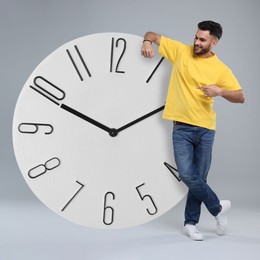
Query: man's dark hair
{"x": 214, "y": 29}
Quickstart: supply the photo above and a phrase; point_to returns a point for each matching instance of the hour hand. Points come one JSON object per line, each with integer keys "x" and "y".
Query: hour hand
{"x": 86, "y": 118}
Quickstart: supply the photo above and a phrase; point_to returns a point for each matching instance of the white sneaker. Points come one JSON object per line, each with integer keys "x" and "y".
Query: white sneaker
{"x": 192, "y": 232}
{"x": 222, "y": 217}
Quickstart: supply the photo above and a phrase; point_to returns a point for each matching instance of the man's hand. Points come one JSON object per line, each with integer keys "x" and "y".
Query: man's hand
{"x": 211, "y": 91}
{"x": 147, "y": 49}
{"x": 234, "y": 96}
{"x": 149, "y": 38}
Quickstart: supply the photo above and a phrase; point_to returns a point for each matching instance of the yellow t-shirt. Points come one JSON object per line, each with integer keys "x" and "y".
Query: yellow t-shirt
{"x": 185, "y": 102}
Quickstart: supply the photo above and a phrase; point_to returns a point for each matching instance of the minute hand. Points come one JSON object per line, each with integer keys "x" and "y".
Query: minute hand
{"x": 140, "y": 119}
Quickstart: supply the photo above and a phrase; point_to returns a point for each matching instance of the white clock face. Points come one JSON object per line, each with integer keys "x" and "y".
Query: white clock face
{"x": 88, "y": 134}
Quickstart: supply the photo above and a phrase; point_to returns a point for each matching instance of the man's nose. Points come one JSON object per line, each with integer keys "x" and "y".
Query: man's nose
{"x": 196, "y": 41}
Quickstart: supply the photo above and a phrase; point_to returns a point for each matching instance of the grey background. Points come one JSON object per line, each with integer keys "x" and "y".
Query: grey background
{"x": 31, "y": 29}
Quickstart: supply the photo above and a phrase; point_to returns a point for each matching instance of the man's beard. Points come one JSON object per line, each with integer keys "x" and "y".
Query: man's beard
{"x": 199, "y": 51}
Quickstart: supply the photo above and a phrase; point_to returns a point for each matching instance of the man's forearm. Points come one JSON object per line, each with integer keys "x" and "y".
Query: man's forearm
{"x": 147, "y": 49}
{"x": 152, "y": 37}
{"x": 236, "y": 96}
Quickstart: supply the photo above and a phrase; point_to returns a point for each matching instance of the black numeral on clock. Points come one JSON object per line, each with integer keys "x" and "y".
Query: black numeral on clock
{"x": 41, "y": 169}
{"x": 32, "y": 128}
{"x": 156, "y": 67}
{"x": 48, "y": 89}
{"x": 173, "y": 170}
{"x": 113, "y": 44}
{"x": 108, "y": 213}
{"x": 149, "y": 197}
{"x": 74, "y": 195}
{"x": 81, "y": 60}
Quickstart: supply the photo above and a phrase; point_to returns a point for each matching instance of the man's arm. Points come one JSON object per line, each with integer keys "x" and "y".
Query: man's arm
{"x": 147, "y": 49}
{"x": 234, "y": 96}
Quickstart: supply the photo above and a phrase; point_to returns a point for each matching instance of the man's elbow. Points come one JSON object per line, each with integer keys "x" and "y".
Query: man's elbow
{"x": 242, "y": 97}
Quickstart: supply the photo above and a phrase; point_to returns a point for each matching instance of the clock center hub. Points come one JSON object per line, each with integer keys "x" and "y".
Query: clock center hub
{"x": 113, "y": 132}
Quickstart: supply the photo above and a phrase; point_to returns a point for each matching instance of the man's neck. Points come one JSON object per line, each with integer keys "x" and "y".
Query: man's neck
{"x": 206, "y": 55}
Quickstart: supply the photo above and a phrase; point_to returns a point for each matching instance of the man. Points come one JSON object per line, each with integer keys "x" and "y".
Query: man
{"x": 197, "y": 76}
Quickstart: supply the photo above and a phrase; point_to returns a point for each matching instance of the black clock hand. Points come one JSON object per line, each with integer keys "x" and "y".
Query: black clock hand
{"x": 139, "y": 119}
{"x": 112, "y": 132}
{"x": 86, "y": 118}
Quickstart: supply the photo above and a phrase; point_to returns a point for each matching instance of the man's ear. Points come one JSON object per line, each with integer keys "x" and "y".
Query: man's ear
{"x": 214, "y": 43}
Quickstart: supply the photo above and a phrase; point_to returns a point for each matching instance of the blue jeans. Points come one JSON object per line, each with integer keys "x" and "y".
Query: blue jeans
{"x": 193, "y": 151}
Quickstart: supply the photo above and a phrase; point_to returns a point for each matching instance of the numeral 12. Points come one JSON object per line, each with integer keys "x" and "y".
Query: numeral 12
{"x": 112, "y": 54}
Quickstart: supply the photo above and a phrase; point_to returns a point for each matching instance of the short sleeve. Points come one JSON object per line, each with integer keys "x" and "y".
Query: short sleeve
{"x": 169, "y": 48}
{"x": 228, "y": 81}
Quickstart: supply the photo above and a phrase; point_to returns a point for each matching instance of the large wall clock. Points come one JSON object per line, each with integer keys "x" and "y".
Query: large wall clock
{"x": 88, "y": 134}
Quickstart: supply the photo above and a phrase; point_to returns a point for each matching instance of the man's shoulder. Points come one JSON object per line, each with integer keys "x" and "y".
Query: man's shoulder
{"x": 169, "y": 41}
